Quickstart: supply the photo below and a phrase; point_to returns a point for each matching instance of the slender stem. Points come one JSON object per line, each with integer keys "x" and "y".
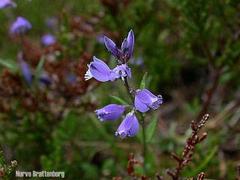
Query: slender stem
{"x": 128, "y": 89}
{"x": 144, "y": 148}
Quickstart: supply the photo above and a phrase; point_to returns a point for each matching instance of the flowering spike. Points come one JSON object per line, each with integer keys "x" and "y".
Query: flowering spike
{"x": 145, "y": 100}
{"x": 110, "y": 112}
{"x": 20, "y": 26}
{"x": 129, "y": 126}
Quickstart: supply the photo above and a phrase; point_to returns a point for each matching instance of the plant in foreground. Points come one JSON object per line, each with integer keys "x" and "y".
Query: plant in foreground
{"x": 142, "y": 99}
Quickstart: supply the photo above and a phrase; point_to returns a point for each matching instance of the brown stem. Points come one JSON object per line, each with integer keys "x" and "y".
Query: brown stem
{"x": 209, "y": 95}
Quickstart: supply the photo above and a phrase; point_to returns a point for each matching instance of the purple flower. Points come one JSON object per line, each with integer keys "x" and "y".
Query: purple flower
{"x": 110, "y": 112}
{"x": 100, "y": 71}
{"x": 45, "y": 79}
{"x": 126, "y": 51}
{"x": 145, "y": 100}
{"x": 51, "y": 23}
{"x": 48, "y": 40}
{"x": 20, "y": 26}
{"x": 129, "y": 126}
{"x": 100, "y": 38}
{"x": 7, "y": 4}
{"x": 122, "y": 71}
{"x": 26, "y": 71}
{"x": 71, "y": 78}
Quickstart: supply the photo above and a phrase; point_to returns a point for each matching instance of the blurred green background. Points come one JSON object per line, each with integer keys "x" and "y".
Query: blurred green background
{"x": 190, "y": 50}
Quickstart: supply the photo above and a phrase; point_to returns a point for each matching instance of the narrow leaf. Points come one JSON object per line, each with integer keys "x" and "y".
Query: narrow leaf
{"x": 143, "y": 82}
{"x": 11, "y": 65}
{"x": 205, "y": 162}
{"x": 39, "y": 67}
{"x": 120, "y": 100}
{"x": 151, "y": 129}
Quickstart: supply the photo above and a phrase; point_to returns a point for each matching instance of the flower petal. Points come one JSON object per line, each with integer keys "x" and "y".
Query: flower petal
{"x": 140, "y": 106}
{"x": 130, "y": 43}
{"x": 99, "y": 70}
{"x": 122, "y": 71}
{"x": 128, "y": 127}
{"x": 144, "y": 98}
{"x": 111, "y": 46}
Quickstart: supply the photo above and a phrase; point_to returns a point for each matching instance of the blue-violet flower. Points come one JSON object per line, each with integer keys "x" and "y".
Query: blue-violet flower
{"x": 48, "y": 40}
{"x": 7, "y": 4}
{"x": 20, "y": 26}
{"x": 129, "y": 126}
{"x": 126, "y": 51}
{"x": 100, "y": 71}
{"x": 110, "y": 112}
{"x": 145, "y": 100}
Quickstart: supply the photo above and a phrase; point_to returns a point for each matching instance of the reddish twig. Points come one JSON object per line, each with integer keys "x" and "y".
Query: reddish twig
{"x": 189, "y": 148}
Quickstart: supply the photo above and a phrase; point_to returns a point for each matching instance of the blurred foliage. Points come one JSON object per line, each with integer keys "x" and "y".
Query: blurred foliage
{"x": 186, "y": 46}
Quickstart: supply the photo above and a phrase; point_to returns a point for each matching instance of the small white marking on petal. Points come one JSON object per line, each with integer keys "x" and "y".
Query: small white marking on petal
{"x": 88, "y": 75}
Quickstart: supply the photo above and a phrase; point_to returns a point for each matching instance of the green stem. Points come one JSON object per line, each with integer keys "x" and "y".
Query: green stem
{"x": 144, "y": 148}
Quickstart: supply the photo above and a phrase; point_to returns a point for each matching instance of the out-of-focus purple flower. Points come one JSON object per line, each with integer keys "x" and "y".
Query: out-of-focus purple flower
{"x": 100, "y": 38}
{"x": 48, "y": 39}
{"x": 52, "y": 23}
{"x": 126, "y": 51}
{"x": 122, "y": 71}
{"x": 45, "y": 79}
{"x": 110, "y": 112}
{"x": 71, "y": 78}
{"x": 129, "y": 126}
{"x": 137, "y": 61}
{"x": 26, "y": 71}
{"x": 7, "y": 4}
{"x": 145, "y": 100}
{"x": 20, "y": 26}
{"x": 100, "y": 71}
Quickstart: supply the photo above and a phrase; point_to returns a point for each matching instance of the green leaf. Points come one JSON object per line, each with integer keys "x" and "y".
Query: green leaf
{"x": 143, "y": 82}
{"x": 39, "y": 67}
{"x": 205, "y": 162}
{"x": 151, "y": 129}
{"x": 11, "y": 65}
{"x": 120, "y": 100}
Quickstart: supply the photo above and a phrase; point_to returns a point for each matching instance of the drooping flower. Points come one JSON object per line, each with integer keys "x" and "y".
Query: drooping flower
{"x": 110, "y": 112}
{"x": 129, "y": 126}
{"x": 20, "y": 26}
{"x": 122, "y": 71}
{"x": 100, "y": 71}
{"x": 48, "y": 39}
{"x": 126, "y": 51}
{"x": 145, "y": 100}
{"x": 7, "y": 4}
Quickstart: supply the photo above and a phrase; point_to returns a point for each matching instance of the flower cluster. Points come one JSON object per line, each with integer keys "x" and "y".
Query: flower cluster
{"x": 144, "y": 100}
